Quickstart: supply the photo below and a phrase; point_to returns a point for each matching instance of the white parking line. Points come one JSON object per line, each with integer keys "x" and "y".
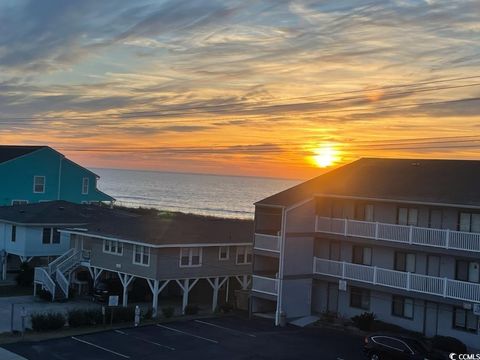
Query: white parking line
{"x": 189, "y": 334}
{"x": 224, "y": 328}
{"x": 145, "y": 340}
{"x": 100, "y": 347}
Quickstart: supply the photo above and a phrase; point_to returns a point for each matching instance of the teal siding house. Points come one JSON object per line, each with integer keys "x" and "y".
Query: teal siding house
{"x": 32, "y": 174}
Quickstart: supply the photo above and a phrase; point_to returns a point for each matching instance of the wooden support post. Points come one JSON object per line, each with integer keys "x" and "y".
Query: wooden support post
{"x": 156, "y": 290}
{"x": 126, "y": 280}
{"x": 186, "y": 290}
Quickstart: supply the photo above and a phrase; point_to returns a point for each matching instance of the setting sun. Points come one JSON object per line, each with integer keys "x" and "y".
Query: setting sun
{"x": 325, "y": 156}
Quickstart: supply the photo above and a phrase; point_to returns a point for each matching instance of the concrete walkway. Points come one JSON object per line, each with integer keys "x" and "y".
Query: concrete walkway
{"x": 7, "y": 355}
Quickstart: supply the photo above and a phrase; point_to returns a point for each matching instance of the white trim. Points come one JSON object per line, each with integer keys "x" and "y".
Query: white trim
{"x": 220, "y": 253}
{"x": 190, "y": 257}
{"x": 87, "y": 185}
{"x": 112, "y": 252}
{"x": 21, "y": 202}
{"x": 142, "y": 253}
{"x": 86, "y": 233}
{"x": 44, "y": 183}
{"x": 52, "y": 232}
{"x": 246, "y": 250}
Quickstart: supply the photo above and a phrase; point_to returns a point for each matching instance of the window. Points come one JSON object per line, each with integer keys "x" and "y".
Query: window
{"x": 402, "y": 306}
{"x": 362, "y": 255}
{"x": 244, "y": 255}
{"x": 113, "y": 247}
{"x": 334, "y": 251}
{"x": 50, "y": 236}
{"x": 190, "y": 257}
{"x": 85, "y": 183}
{"x": 141, "y": 255}
{"x": 466, "y": 270}
{"x": 404, "y": 262}
{"x": 436, "y": 219}
{"x": 359, "y": 298}
{"x": 364, "y": 212}
{"x": 47, "y": 234}
{"x": 469, "y": 222}
{"x": 223, "y": 252}
{"x": 19, "y": 202}
{"x": 392, "y": 343}
{"x": 39, "y": 184}
{"x": 407, "y": 216}
{"x": 14, "y": 233}
{"x": 465, "y": 320}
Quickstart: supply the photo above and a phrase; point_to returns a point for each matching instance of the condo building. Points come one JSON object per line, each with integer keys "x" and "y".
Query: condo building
{"x": 396, "y": 237}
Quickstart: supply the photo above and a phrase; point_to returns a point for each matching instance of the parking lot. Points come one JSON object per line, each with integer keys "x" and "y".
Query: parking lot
{"x": 213, "y": 338}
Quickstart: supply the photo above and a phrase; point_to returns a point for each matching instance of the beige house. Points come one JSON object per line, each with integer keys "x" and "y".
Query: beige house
{"x": 180, "y": 249}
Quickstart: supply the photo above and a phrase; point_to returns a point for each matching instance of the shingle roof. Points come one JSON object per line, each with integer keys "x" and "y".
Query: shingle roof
{"x": 453, "y": 182}
{"x": 9, "y": 152}
{"x": 175, "y": 228}
{"x": 58, "y": 212}
{"x": 165, "y": 228}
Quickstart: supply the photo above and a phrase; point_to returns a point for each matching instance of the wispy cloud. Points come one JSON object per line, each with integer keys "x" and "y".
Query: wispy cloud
{"x": 235, "y": 75}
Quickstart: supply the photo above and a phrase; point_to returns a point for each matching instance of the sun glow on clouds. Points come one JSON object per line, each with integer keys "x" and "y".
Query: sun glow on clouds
{"x": 204, "y": 86}
{"x": 326, "y": 156}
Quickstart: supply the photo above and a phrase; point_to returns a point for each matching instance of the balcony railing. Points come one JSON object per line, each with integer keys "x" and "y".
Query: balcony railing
{"x": 267, "y": 242}
{"x": 424, "y": 284}
{"x": 265, "y": 285}
{"x": 447, "y": 239}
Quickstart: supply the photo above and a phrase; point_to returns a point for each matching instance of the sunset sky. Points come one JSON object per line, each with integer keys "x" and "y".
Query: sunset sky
{"x": 267, "y": 88}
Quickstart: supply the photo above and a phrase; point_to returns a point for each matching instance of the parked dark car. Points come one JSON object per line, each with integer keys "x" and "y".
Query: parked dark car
{"x": 103, "y": 289}
{"x": 394, "y": 347}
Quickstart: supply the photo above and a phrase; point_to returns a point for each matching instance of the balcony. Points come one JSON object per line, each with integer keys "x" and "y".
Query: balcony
{"x": 267, "y": 242}
{"x": 446, "y": 239}
{"x": 444, "y": 287}
{"x": 265, "y": 285}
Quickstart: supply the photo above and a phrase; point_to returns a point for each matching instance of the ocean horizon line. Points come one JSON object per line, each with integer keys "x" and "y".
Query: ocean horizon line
{"x": 198, "y": 173}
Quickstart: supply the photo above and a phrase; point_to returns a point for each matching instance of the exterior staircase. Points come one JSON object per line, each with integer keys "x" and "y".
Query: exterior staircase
{"x": 55, "y": 277}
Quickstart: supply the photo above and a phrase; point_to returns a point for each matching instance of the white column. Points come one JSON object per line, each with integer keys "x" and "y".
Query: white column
{"x": 215, "y": 293}
{"x": 4, "y": 267}
{"x": 186, "y": 290}
{"x": 155, "y": 298}
{"x": 126, "y": 280}
{"x": 156, "y": 290}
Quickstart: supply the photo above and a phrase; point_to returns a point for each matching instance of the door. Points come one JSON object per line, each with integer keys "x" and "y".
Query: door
{"x": 474, "y": 272}
{"x": 436, "y": 216}
{"x": 430, "y": 320}
{"x": 332, "y": 297}
{"x": 433, "y": 265}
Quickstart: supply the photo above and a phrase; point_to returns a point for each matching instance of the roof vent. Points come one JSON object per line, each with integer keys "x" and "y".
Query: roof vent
{"x": 61, "y": 208}
{"x": 415, "y": 163}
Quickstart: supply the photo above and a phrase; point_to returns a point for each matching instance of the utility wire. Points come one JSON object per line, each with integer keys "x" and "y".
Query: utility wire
{"x": 185, "y": 111}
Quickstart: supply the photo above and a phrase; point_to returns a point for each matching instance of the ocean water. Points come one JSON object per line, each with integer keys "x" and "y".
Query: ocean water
{"x": 216, "y": 195}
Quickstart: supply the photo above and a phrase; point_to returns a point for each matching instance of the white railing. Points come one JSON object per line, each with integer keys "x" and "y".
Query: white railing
{"x": 265, "y": 285}
{"x": 53, "y": 265}
{"x": 69, "y": 262}
{"x": 267, "y": 242}
{"x": 62, "y": 282}
{"x": 425, "y": 284}
{"x": 447, "y": 239}
{"x": 41, "y": 276}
